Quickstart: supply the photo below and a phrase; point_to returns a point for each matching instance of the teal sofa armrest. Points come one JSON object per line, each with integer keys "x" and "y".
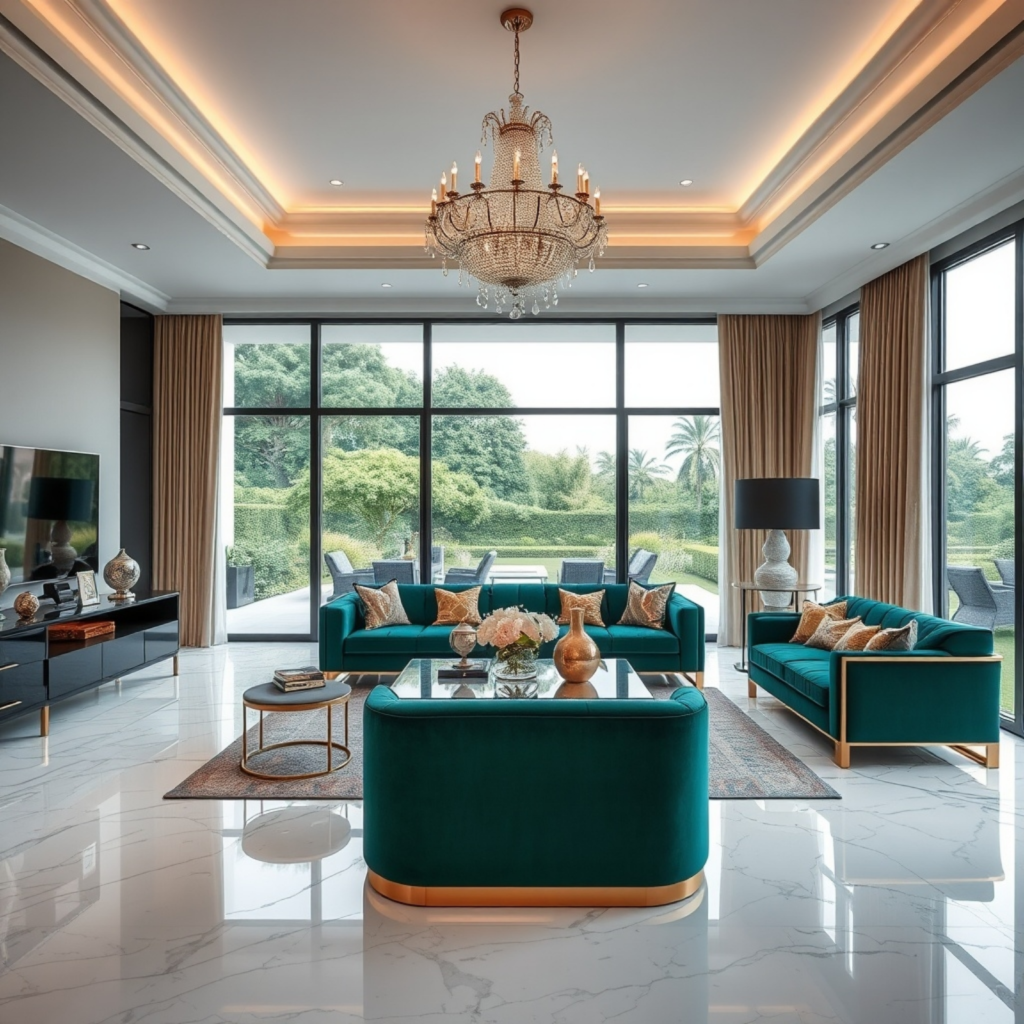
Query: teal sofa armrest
{"x": 919, "y": 696}
{"x": 771, "y": 627}
{"x": 486, "y": 815}
{"x": 685, "y": 618}
{"x": 337, "y": 620}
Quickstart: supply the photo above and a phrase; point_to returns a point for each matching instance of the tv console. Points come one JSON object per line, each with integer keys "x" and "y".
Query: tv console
{"x": 37, "y": 671}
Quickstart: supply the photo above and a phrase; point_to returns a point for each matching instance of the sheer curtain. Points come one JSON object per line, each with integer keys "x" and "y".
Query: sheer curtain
{"x": 188, "y": 358}
{"x": 769, "y": 409}
{"x": 892, "y": 531}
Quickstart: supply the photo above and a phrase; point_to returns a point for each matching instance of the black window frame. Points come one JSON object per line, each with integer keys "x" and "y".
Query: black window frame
{"x": 316, "y": 412}
{"x": 843, "y": 408}
{"x": 940, "y": 378}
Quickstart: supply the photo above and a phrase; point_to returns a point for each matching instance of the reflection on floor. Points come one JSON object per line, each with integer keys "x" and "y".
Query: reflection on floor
{"x": 288, "y": 614}
{"x": 897, "y": 904}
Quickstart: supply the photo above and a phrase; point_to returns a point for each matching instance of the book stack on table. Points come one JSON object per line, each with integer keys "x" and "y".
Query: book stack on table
{"x": 290, "y": 679}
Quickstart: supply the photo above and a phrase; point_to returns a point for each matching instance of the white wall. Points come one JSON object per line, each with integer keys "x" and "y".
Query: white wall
{"x": 60, "y": 371}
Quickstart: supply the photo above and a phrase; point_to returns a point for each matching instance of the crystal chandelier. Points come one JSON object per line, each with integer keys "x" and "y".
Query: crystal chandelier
{"x": 519, "y": 240}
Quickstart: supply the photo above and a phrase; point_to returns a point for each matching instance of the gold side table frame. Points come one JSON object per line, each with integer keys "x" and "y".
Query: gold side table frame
{"x": 330, "y": 743}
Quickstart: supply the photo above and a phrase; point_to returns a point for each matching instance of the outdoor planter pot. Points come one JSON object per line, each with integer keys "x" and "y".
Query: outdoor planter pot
{"x": 347, "y": 646}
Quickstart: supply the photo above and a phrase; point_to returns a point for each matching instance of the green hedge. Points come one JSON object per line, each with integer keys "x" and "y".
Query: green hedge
{"x": 703, "y": 561}
{"x": 261, "y": 522}
{"x": 530, "y": 551}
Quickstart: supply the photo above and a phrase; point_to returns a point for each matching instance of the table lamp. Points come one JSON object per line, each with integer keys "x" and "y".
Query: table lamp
{"x": 776, "y": 504}
{"x": 60, "y": 499}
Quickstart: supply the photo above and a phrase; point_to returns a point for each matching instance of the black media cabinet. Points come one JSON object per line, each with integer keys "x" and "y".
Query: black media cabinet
{"x": 37, "y": 671}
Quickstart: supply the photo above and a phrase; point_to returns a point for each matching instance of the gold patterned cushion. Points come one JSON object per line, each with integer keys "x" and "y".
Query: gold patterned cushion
{"x": 646, "y": 607}
{"x": 590, "y": 603}
{"x": 856, "y": 637}
{"x": 902, "y": 639}
{"x": 830, "y": 631}
{"x": 382, "y": 606}
{"x": 811, "y": 618}
{"x": 454, "y": 607}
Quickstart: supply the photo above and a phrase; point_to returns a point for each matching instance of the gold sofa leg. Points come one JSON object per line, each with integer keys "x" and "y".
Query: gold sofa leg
{"x": 44, "y": 721}
{"x": 842, "y": 754}
{"x": 991, "y": 755}
{"x": 698, "y": 680}
{"x": 331, "y": 675}
{"x": 751, "y": 687}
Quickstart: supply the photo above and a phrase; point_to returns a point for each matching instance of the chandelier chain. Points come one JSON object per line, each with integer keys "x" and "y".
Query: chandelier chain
{"x": 517, "y": 57}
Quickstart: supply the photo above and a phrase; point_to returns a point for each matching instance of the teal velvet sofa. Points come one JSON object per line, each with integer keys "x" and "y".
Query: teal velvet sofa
{"x": 945, "y": 692}
{"x": 535, "y": 802}
{"x": 347, "y": 646}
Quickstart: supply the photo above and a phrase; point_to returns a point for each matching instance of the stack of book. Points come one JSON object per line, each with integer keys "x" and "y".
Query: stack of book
{"x": 289, "y": 679}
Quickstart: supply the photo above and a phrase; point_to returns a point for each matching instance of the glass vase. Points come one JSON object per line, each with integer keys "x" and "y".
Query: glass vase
{"x": 517, "y": 661}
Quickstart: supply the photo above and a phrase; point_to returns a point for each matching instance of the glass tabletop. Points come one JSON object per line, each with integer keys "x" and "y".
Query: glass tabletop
{"x": 614, "y": 679}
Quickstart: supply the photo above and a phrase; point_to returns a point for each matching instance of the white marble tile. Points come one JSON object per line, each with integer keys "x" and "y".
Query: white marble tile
{"x": 897, "y": 904}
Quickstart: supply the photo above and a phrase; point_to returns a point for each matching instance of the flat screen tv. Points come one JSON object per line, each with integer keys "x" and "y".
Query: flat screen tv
{"x": 49, "y": 512}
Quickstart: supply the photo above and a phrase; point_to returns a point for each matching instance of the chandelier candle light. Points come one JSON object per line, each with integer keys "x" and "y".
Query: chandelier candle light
{"x": 518, "y": 239}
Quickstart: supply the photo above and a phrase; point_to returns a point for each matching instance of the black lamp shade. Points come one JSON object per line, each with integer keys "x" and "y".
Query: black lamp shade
{"x": 778, "y": 503}
{"x": 54, "y": 498}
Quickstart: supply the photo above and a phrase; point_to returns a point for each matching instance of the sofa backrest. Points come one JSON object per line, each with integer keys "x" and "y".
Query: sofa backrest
{"x": 933, "y": 633}
{"x": 420, "y": 603}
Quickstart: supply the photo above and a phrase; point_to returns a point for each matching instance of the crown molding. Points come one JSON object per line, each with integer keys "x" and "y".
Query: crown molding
{"x": 43, "y": 242}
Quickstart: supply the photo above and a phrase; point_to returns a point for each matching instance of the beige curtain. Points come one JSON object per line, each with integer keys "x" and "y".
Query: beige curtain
{"x": 769, "y": 405}
{"x": 186, "y": 440}
{"x": 890, "y": 435}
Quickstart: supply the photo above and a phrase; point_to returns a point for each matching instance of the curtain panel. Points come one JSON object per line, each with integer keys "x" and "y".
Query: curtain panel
{"x": 769, "y": 408}
{"x": 891, "y": 439}
{"x": 186, "y": 442}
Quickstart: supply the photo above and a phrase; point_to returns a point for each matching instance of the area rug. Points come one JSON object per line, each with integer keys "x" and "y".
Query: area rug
{"x": 745, "y": 762}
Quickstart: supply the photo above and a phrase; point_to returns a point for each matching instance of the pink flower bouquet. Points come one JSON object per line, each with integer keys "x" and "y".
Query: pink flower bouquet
{"x": 517, "y": 635}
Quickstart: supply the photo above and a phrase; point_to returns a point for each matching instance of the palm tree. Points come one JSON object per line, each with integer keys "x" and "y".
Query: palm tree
{"x": 696, "y": 438}
{"x": 642, "y": 472}
{"x": 605, "y": 464}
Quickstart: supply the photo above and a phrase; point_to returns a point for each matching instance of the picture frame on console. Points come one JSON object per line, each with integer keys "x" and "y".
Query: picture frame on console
{"x": 88, "y": 594}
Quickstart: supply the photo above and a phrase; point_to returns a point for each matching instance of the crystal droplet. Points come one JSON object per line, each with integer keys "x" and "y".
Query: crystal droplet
{"x": 554, "y": 298}
{"x": 536, "y": 307}
{"x": 515, "y": 313}
{"x": 590, "y": 265}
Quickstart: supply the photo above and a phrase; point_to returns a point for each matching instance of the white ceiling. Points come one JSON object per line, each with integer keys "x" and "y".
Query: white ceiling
{"x": 302, "y": 92}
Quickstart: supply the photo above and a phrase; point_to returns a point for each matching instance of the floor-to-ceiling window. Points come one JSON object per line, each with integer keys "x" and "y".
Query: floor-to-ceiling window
{"x": 838, "y": 419}
{"x": 433, "y": 443}
{"x": 978, "y": 307}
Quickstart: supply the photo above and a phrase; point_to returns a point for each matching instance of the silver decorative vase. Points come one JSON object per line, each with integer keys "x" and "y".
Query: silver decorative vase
{"x": 122, "y": 572}
{"x": 5, "y": 574}
{"x": 26, "y": 605}
{"x": 776, "y": 572}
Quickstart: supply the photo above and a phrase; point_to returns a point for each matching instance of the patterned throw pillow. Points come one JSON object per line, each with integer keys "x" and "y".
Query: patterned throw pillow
{"x": 382, "y": 606}
{"x": 902, "y": 639}
{"x": 856, "y": 637}
{"x": 454, "y": 607}
{"x": 590, "y": 603}
{"x": 646, "y": 607}
{"x": 811, "y": 618}
{"x": 830, "y": 631}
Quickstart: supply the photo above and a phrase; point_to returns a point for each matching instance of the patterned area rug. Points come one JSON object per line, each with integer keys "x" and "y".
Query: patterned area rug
{"x": 746, "y": 763}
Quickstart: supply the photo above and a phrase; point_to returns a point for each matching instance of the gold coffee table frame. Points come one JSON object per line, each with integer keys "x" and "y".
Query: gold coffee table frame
{"x": 329, "y": 743}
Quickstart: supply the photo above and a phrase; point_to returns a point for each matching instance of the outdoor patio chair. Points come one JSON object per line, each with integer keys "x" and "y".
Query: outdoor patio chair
{"x": 344, "y": 576}
{"x": 581, "y": 570}
{"x": 981, "y": 603}
{"x": 641, "y": 565}
{"x": 436, "y": 563}
{"x": 1006, "y": 571}
{"x": 477, "y": 575}
{"x": 404, "y": 570}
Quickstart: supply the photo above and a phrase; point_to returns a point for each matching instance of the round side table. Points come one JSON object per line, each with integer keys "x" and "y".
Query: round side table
{"x": 267, "y": 697}
{"x": 746, "y": 587}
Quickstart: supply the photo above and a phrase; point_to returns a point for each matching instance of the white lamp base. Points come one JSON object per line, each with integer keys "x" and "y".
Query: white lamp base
{"x": 776, "y": 572}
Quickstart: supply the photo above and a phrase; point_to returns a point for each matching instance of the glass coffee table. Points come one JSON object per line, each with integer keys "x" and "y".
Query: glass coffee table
{"x": 615, "y": 679}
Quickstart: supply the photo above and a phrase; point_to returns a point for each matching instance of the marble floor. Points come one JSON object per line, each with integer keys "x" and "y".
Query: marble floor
{"x": 898, "y": 904}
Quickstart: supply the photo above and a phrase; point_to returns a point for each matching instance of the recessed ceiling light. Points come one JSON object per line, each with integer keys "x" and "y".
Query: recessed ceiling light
{"x": 337, "y": 182}
{"x": 686, "y": 181}
{"x": 880, "y": 245}
{"x": 643, "y": 284}
{"x": 139, "y": 245}
{"x": 385, "y": 284}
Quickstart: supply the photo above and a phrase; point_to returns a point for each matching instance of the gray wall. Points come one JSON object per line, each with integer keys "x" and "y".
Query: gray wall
{"x": 60, "y": 371}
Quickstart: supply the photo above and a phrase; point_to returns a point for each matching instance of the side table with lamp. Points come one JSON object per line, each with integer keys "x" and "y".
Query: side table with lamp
{"x": 775, "y": 504}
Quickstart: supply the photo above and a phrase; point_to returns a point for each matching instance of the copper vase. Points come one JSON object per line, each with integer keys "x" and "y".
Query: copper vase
{"x": 576, "y": 655}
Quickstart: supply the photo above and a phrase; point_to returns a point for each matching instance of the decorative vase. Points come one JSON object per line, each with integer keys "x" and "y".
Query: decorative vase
{"x": 516, "y": 661}
{"x": 5, "y": 573}
{"x": 122, "y": 572}
{"x": 576, "y": 656}
{"x": 26, "y": 604}
{"x": 462, "y": 640}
